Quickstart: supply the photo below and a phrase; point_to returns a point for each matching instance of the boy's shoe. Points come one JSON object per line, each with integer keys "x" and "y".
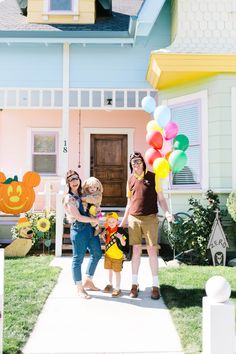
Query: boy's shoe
{"x": 134, "y": 291}
{"x": 155, "y": 293}
{"x": 108, "y": 289}
{"x": 116, "y": 293}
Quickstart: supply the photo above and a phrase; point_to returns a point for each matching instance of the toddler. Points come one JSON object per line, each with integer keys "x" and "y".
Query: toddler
{"x": 114, "y": 239}
{"x": 92, "y": 197}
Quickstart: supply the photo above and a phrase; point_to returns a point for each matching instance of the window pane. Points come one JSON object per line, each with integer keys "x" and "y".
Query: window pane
{"x": 60, "y": 5}
{"x": 96, "y": 99}
{"x": 84, "y": 98}
{"x": 187, "y": 117}
{"x": 131, "y": 99}
{"x": 190, "y": 174}
{"x": 44, "y": 164}
{"x": 120, "y": 98}
{"x": 44, "y": 143}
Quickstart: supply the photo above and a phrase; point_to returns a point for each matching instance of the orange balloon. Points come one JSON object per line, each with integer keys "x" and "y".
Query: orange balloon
{"x": 168, "y": 155}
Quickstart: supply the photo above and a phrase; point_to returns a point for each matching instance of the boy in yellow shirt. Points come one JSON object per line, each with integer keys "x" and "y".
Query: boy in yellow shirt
{"x": 114, "y": 239}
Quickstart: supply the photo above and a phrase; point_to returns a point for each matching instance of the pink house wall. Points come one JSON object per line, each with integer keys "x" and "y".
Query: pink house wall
{"x": 14, "y": 143}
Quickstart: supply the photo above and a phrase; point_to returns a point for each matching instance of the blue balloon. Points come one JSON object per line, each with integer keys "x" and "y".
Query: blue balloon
{"x": 148, "y": 104}
{"x": 162, "y": 115}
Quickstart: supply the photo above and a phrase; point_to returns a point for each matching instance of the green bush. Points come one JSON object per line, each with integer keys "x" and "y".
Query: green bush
{"x": 194, "y": 233}
{"x": 231, "y": 205}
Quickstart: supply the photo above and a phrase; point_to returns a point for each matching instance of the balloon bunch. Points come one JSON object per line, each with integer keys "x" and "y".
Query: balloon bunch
{"x": 167, "y": 151}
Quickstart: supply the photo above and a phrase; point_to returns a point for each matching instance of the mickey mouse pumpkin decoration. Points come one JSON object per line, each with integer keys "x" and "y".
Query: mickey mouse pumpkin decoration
{"x": 18, "y": 196}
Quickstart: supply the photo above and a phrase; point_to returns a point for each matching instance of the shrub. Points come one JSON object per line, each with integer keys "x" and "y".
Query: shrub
{"x": 193, "y": 233}
{"x": 231, "y": 205}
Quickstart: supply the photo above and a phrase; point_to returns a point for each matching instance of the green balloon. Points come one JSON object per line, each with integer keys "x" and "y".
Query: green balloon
{"x": 177, "y": 160}
{"x": 181, "y": 142}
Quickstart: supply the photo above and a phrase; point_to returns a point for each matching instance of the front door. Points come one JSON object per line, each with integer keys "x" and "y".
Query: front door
{"x": 109, "y": 165}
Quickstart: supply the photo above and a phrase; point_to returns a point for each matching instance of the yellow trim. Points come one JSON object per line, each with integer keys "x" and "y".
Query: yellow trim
{"x": 169, "y": 70}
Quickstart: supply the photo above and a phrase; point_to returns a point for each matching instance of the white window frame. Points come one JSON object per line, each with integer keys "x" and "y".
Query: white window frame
{"x": 233, "y": 130}
{"x": 30, "y": 133}
{"x": 202, "y": 96}
{"x": 73, "y": 11}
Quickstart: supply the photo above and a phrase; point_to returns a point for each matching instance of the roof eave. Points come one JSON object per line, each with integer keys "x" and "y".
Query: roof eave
{"x": 166, "y": 70}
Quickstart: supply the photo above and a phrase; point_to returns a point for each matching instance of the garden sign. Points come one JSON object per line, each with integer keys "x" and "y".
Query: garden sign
{"x": 218, "y": 243}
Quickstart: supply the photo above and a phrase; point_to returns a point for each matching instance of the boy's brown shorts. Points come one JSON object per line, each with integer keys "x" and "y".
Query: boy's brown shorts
{"x": 143, "y": 226}
{"x": 115, "y": 264}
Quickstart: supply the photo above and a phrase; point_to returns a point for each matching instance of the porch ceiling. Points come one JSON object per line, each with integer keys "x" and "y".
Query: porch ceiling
{"x": 167, "y": 70}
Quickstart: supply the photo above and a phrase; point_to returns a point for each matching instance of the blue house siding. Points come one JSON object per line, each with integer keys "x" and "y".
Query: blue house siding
{"x": 31, "y": 65}
{"x": 106, "y": 66}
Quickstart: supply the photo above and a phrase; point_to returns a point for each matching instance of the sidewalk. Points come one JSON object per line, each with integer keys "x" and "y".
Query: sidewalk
{"x": 69, "y": 325}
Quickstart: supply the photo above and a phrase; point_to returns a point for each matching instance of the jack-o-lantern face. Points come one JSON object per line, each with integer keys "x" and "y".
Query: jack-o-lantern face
{"x": 18, "y": 197}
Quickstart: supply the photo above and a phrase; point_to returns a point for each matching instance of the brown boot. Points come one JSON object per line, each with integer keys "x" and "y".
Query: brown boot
{"x": 155, "y": 293}
{"x": 134, "y": 291}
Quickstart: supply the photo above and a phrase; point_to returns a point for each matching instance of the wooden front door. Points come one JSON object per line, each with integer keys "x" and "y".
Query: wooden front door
{"x": 109, "y": 165}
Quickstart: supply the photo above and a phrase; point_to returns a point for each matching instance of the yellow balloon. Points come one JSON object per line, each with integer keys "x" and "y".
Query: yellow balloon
{"x": 161, "y": 167}
{"x": 153, "y": 126}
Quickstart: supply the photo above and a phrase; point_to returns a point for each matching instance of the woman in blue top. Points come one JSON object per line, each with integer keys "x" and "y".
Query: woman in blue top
{"x": 82, "y": 235}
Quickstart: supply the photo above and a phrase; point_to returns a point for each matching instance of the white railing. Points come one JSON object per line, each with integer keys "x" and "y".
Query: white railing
{"x": 79, "y": 98}
{"x": 1, "y": 297}
{"x": 218, "y": 318}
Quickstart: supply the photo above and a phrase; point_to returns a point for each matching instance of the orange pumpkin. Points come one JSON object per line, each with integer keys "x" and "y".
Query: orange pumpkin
{"x": 15, "y": 196}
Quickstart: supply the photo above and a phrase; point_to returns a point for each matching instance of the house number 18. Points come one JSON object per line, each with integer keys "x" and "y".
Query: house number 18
{"x": 65, "y": 150}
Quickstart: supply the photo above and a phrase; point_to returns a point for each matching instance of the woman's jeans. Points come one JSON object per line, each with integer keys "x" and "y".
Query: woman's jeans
{"x": 83, "y": 239}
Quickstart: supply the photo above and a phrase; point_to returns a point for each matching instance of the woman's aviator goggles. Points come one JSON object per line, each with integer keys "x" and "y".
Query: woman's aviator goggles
{"x": 73, "y": 178}
{"x": 136, "y": 162}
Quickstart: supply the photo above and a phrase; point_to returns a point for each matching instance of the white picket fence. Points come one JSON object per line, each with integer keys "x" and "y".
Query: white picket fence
{"x": 1, "y": 297}
{"x": 218, "y": 318}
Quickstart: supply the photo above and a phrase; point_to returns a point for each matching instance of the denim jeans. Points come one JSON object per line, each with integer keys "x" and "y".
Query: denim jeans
{"x": 82, "y": 239}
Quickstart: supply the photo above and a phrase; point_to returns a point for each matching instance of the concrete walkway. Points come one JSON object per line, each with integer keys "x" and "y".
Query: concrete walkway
{"x": 69, "y": 325}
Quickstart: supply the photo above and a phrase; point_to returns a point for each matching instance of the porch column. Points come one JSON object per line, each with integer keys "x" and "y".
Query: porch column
{"x": 64, "y": 147}
{"x": 65, "y": 108}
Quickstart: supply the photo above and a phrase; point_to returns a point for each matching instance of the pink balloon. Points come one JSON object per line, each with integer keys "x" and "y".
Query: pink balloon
{"x": 151, "y": 154}
{"x": 154, "y": 139}
{"x": 171, "y": 130}
{"x": 166, "y": 147}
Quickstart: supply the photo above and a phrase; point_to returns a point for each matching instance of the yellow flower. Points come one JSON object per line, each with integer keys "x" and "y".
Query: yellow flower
{"x": 43, "y": 225}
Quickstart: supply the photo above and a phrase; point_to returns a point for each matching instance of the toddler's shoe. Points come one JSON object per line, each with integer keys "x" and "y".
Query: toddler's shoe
{"x": 116, "y": 293}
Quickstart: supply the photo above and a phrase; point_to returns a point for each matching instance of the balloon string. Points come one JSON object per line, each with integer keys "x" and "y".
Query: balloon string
{"x": 169, "y": 192}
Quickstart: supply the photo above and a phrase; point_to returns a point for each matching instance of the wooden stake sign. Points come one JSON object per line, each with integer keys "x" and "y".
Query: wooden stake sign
{"x": 218, "y": 243}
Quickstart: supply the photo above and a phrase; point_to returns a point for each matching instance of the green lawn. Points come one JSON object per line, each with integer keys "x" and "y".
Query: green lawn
{"x": 182, "y": 290}
{"x": 28, "y": 282}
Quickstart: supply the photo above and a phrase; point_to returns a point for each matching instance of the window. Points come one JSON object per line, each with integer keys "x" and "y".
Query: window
{"x": 187, "y": 117}
{"x": 45, "y": 152}
{"x": 60, "y": 5}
